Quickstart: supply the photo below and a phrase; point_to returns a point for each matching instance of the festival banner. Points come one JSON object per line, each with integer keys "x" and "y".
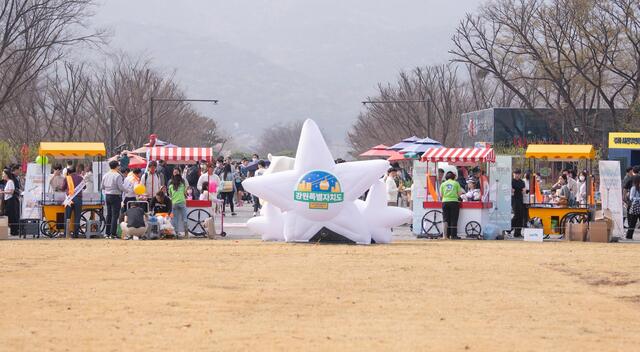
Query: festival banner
{"x": 33, "y": 185}
{"x": 500, "y": 192}
{"x": 419, "y": 194}
{"x": 611, "y": 193}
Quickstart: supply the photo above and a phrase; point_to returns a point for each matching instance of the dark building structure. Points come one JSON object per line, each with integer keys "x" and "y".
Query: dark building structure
{"x": 513, "y": 126}
{"x": 624, "y": 147}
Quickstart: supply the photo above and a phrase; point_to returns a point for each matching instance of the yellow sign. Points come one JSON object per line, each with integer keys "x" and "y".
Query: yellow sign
{"x": 624, "y": 140}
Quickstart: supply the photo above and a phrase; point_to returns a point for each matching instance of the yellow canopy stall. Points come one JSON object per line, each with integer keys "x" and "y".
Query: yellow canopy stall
{"x": 560, "y": 152}
{"x": 72, "y": 150}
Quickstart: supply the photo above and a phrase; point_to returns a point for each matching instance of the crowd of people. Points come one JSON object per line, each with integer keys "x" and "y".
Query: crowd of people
{"x": 399, "y": 186}
{"x": 10, "y": 190}
{"x": 167, "y": 188}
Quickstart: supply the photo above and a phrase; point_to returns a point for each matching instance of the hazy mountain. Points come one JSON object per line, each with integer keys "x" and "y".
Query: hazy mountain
{"x": 278, "y": 60}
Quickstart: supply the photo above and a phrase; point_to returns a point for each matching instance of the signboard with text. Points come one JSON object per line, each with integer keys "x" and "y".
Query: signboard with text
{"x": 500, "y": 192}
{"x": 611, "y": 193}
{"x": 624, "y": 140}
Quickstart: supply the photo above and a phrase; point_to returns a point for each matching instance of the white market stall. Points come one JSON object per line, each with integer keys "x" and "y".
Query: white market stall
{"x": 197, "y": 210}
{"x": 473, "y": 214}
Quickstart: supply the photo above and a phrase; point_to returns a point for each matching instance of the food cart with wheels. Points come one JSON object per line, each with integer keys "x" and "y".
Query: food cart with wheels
{"x": 556, "y": 217}
{"x": 52, "y": 224}
{"x": 197, "y": 210}
{"x": 473, "y": 214}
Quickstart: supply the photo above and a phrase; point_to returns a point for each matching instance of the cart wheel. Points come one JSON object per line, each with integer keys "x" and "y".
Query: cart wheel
{"x": 473, "y": 229}
{"x": 223, "y": 234}
{"x": 197, "y": 217}
{"x": 91, "y": 214}
{"x": 49, "y": 229}
{"x": 432, "y": 224}
{"x": 578, "y": 218}
{"x": 573, "y": 218}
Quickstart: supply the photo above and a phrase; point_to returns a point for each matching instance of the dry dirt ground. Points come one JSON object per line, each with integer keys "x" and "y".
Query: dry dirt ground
{"x": 247, "y": 295}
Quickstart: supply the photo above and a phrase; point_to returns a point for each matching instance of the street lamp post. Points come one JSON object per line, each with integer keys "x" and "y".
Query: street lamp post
{"x": 111, "y": 111}
{"x": 214, "y": 101}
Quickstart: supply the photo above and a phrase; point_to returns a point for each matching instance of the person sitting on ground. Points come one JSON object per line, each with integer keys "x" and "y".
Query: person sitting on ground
{"x": 160, "y": 204}
{"x": 472, "y": 194}
{"x": 134, "y": 224}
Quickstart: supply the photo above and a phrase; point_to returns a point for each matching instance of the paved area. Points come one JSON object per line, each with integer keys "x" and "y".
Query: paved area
{"x": 236, "y": 229}
{"x": 235, "y": 225}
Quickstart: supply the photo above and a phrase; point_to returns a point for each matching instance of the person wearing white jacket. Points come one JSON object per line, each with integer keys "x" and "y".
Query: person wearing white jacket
{"x": 212, "y": 179}
{"x": 152, "y": 180}
{"x": 130, "y": 182}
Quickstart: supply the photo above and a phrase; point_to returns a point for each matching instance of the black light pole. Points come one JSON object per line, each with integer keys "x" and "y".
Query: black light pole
{"x": 394, "y": 101}
{"x": 111, "y": 110}
{"x": 214, "y": 101}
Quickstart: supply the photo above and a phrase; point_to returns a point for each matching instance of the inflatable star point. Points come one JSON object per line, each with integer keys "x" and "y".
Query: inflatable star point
{"x": 317, "y": 199}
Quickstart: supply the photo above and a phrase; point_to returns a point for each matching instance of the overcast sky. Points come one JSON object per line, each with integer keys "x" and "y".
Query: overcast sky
{"x": 279, "y": 60}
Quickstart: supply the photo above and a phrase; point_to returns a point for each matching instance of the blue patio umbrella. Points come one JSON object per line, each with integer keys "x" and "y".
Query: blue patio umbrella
{"x": 253, "y": 165}
{"x": 405, "y": 143}
{"x": 421, "y": 146}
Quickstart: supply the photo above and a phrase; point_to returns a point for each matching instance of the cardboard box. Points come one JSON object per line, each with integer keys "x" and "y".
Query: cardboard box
{"x": 599, "y": 231}
{"x": 210, "y": 226}
{"x": 603, "y": 214}
{"x": 4, "y": 233}
{"x": 577, "y": 232}
{"x": 4, "y": 221}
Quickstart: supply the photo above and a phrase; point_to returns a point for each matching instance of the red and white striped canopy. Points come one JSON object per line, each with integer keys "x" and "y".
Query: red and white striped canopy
{"x": 459, "y": 155}
{"x": 180, "y": 154}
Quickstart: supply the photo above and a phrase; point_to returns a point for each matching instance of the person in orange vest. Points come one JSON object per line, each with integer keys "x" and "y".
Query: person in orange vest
{"x": 71, "y": 181}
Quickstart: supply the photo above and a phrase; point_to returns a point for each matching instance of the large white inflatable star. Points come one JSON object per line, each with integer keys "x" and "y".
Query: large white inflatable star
{"x": 270, "y": 224}
{"x": 379, "y": 216}
{"x": 318, "y": 193}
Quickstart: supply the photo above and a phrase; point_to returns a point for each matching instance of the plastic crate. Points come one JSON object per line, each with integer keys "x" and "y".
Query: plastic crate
{"x": 29, "y": 227}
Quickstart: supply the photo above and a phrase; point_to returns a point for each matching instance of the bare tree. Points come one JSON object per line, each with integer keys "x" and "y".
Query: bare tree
{"x": 127, "y": 86}
{"x": 427, "y": 101}
{"x": 280, "y": 139}
{"x": 69, "y": 114}
{"x": 33, "y": 36}
{"x": 571, "y": 56}
{"x": 73, "y": 103}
